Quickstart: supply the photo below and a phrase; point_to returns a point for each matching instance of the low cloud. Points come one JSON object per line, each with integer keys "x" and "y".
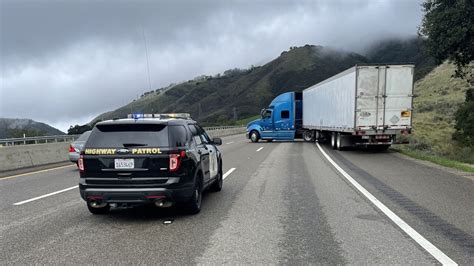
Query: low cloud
{"x": 65, "y": 62}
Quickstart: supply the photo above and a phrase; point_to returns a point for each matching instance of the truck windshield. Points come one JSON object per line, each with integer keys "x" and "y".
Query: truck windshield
{"x": 266, "y": 114}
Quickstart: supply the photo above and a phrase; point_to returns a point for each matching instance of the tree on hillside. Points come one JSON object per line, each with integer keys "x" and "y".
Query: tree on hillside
{"x": 449, "y": 26}
{"x": 465, "y": 120}
{"x": 20, "y": 133}
{"x": 77, "y": 129}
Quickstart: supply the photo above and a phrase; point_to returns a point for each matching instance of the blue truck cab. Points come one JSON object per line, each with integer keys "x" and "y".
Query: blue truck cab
{"x": 281, "y": 120}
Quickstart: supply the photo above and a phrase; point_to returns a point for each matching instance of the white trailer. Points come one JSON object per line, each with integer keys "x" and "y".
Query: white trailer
{"x": 365, "y": 105}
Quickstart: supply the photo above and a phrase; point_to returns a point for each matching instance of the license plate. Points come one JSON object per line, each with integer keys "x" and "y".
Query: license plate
{"x": 124, "y": 163}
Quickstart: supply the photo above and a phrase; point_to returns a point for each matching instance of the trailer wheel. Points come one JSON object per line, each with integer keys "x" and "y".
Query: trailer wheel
{"x": 333, "y": 140}
{"x": 254, "y": 136}
{"x": 308, "y": 135}
{"x": 338, "y": 141}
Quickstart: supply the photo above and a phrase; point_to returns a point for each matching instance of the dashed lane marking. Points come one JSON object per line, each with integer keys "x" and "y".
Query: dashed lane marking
{"x": 44, "y": 196}
{"x": 228, "y": 173}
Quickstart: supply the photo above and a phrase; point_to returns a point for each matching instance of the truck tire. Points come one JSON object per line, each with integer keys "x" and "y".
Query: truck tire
{"x": 333, "y": 140}
{"x": 338, "y": 142}
{"x": 308, "y": 136}
{"x": 254, "y": 136}
{"x": 217, "y": 185}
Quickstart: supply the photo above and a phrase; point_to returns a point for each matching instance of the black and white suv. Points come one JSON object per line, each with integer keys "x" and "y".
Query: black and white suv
{"x": 157, "y": 159}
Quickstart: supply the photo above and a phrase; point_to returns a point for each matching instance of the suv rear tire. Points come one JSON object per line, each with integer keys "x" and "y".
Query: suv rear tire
{"x": 217, "y": 185}
{"x": 194, "y": 204}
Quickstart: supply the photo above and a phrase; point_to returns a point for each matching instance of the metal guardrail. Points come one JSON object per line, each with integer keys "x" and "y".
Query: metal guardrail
{"x": 38, "y": 140}
{"x": 220, "y": 128}
{"x": 68, "y": 138}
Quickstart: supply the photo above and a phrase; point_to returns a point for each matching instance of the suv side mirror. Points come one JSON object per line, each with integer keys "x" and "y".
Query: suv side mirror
{"x": 217, "y": 141}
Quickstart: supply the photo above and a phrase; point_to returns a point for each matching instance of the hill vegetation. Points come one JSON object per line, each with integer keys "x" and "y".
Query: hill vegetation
{"x": 15, "y": 128}
{"x": 241, "y": 93}
{"x": 438, "y": 97}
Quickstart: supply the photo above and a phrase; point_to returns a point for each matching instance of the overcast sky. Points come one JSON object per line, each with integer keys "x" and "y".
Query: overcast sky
{"x": 65, "y": 62}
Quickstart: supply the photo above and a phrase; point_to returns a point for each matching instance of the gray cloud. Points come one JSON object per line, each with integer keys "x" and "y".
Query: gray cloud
{"x": 64, "y": 62}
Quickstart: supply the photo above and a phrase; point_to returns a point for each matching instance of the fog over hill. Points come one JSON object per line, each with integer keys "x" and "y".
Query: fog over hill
{"x": 240, "y": 93}
{"x": 15, "y": 127}
{"x": 57, "y": 54}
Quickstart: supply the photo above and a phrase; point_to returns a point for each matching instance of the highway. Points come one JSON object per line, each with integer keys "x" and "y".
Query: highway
{"x": 282, "y": 202}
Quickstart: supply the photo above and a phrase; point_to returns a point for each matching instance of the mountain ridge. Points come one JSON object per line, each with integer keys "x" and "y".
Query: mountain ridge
{"x": 241, "y": 93}
{"x": 16, "y": 127}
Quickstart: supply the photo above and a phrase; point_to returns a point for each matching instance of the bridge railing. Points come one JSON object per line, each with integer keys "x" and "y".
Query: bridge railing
{"x": 71, "y": 138}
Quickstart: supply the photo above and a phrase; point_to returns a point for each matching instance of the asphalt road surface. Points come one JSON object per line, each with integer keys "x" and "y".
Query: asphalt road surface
{"x": 284, "y": 202}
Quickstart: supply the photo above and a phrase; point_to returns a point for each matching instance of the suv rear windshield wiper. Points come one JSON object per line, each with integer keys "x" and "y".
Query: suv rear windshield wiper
{"x": 126, "y": 145}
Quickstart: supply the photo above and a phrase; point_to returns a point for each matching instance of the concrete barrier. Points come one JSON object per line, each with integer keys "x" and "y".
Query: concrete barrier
{"x": 226, "y": 132}
{"x": 21, "y": 156}
{"x": 15, "y": 157}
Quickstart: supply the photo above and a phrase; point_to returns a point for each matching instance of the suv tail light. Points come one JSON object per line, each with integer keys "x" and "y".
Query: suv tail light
{"x": 71, "y": 148}
{"x": 80, "y": 163}
{"x": 175, "y": 161}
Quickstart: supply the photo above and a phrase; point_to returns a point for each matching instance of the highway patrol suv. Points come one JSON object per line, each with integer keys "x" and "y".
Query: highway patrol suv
{"x": 149, "y": 158}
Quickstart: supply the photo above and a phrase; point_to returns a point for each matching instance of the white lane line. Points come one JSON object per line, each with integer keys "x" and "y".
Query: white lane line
{"x": 228, "y": 173}
{"x": 259, "y": 149}
{"x": 230, "y": 142}
{"x": 423, "y": 242}
{"x": 44, "y": 196}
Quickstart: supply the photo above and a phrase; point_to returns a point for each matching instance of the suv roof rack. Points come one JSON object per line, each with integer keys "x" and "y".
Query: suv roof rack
{"x": 161, "y": 116}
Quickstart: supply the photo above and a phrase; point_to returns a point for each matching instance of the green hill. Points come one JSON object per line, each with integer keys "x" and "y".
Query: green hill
{"x": 212, "y": 100}
{"x": 438, "y": 96}
{"x": 239, "y": 93}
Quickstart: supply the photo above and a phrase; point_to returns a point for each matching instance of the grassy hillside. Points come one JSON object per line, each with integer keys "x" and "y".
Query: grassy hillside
{"x": 438, "y": 97}
{"x": 212, "y": 100}
{"x": 13, "y": 128}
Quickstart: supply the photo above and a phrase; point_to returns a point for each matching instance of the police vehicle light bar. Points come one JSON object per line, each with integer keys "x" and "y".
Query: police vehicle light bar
{"x": 160, "y": 116}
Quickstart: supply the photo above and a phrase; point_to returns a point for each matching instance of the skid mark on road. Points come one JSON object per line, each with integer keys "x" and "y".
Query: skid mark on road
{"x": 306, "y": 225}
{"x": 456, "y": 235}
{"x": 418, "y": 238}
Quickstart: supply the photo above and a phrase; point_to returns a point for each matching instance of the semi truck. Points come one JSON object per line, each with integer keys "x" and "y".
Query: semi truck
{"x": 366, "y": 105}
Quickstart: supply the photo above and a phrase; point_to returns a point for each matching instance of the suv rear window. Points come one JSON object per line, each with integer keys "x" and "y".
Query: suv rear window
{"x": 141, "y": 135}
{"x": 128, "y": 135}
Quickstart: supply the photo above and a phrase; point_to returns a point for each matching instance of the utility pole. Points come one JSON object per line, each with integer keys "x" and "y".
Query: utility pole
{"x": 235, "y": 113}
{"x": 147, "y": 62}
{"x": 199, "y": 110}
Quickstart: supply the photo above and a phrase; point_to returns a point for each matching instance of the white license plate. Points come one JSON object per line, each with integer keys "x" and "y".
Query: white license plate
{"x": 124, "y": 163}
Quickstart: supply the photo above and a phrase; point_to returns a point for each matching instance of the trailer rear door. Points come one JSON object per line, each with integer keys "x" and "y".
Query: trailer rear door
{"x": 384, "y": 97}
{"x": 398, "y": 96}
